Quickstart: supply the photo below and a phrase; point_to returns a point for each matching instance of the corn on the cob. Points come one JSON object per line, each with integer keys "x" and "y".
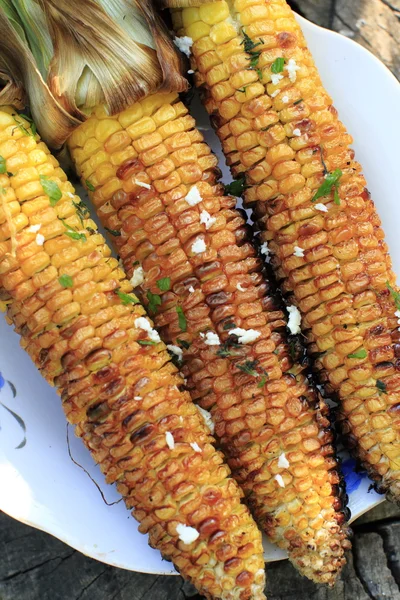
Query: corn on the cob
{"x": 278, "y": 126}
{"x": 88, "y": 336}
{"x": 140, "y": 166}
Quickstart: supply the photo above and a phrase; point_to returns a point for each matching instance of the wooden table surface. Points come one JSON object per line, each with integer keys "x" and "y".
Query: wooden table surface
{"x": 36, "y": 566}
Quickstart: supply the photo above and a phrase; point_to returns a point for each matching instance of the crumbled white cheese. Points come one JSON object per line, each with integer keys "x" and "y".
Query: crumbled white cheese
{"x": 169, "y": 438}
{"x": 190, "y": 72}
{"x": 283, "y": 462}
{"x": 191, "y": 289}
{"x": 181, "y": 419}
{"x": 137, "y": 277}
{"x": 275, "y": 93}
{"x": 292, "y": 67}
{"x": 276, "y": 78}
{"x": 211, "y": 338}
{"x": 186, "y": 534}
{"x": 280, "y": 481}
{"x": 207, "y": 219}
{"x": 142, "y": 184}
{"x": 207, "y": 419}
{"x": 266, "y": 251}
{"x": 34, "y": 228}
{"x": 175, "y": 350}
{"x": 245, "y": 336}
{"x": 196, "y": 447}
{"x": 40, "y": 239}
{"x": 397, "y": 314}
{"x": 184, "y": 44}
{"x": 199, "y": 246}
{"x": 321, "y": 207}
{"x": 299, "y": 252}
{"x": 137, "y": 398}
{"x": 69, "y": 194}
{"x": 193, "y": 196}
{"x": 294, "y": 319}
{"x": 285, "y": 99}
{"x": 240, "y": 288}
{"x": 297, "y": 132}
{"x": 143, "y": 323}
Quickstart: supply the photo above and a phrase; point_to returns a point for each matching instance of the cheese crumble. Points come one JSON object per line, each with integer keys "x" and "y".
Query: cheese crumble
{"x": 321, "y": 207}
{"x": 193, "y": 196}
{"x": 169, "y": 438}
{"x": 137, "y": 277}
{"x": 283, "y": 462}
{"x": 142, "y": 184}
{"x": 143, "y": 323}
{"x": 40, "y": 239}
{"x": 184, "y": 44}
{"x": 211, "y": 338}
{"x": 275, "y": 93}
{"x": 207, "y": 419}
{"x": 34, "y": 228}
{"x": 199, "y": 246}
{"x": 294, "y": 319}
{"x": 299, "y": 252}
{"x": 297, "y": 132}
{"x": 240, "y": 288}
{"x": 191, "y": 289}
{"x": 137, "y": 398}
{"x": 196, "y": 447}
{"x": 175, "y": 350}
{"x": 186, "y": 534}
{"x": 292, "y": 67}
{"x": 276, "y": 78}
{"x": 280, "y": 481}
{"x": 207, "y": 219}
{"x": 266, "y": 251}
{"x": 285, "y": 99}
{"x": 245, "y": 336}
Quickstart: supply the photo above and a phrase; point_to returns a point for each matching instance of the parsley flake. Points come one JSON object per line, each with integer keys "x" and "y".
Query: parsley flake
{"x": 3, "y": 168}
{"x": 126, "y": 298}
{"x": 66, "y": 281}
{"x": 262, "y": 382}
{"x": 297, "y": 102}
{"x": 113, "y": 232}
{"x": 381, "y": 386}
{"x": 183, "y": 343}
{"x": 332, "y": 180}
{"x": 236, "y": 187}
{"x": 395, "y": 295}
{"x": 154, "y": 301}
{"x": 277, "y": 65}
{"x": 89, "y": 185}
{"x": 147, "y": 342}
{"x": 51, "y": 189}
{"x": 181, "y": 318}
{"x": 72, "y": 233}
{"x": 248, "y": 43}
{"x": 359, "y": 354}
{"x": 249, "y": 367}
{"x": 164, "y": 284}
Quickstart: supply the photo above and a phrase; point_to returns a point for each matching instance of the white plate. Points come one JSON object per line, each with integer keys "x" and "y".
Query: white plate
{"x": 40, "y": 485}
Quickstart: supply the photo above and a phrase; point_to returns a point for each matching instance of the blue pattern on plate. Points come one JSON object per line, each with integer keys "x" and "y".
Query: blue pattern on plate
{"x": 352, "y": 477}
{"x": 18, "y": 419}
{"x": 2, "y": 381}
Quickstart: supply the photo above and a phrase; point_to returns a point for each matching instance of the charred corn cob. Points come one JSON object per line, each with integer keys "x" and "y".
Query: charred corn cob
{"x": 278, "y": 126}
{"x": 153, "y": 181}
{"x": 89, "y": 336}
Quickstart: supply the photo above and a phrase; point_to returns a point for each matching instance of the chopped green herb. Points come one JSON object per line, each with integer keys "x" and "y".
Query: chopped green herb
{"x": 181, "y": 318}
{"x": 126, "y": 298}
{"x": 164, "y": 284}
{"x": 71, "y": 233}
{"x": 90, "y": 230}
{"x": 82, "y": 210}
{"x": 263, "y": 381}
{"x": 22, "y": 127}
{"x": 297, "y": 102}
{"x": 89, "y": 185}
{"x": 3, "y": 190}
{"x": 395, "y": 295}
{"x": 134, "y": 264}
{"x": 331, "y": 181}
{"x": 30, "y": 121}
{"x": 322, "y": 160}
{"x": 3, "y": 168}
{"x": 242, "y": 90}
{"x": 154, "y": 301}
{"x": 260, "y": 74}
{"x": 293, "y": 350}
{"x": 113, "y": 232}
{"x": 249, "y": 367}
{"x": 183, "y": 343}
{"x": 228, "y": 326}
{"x": 277, "y": 65}
{"x": 147, "y": 342}
{"x": 253, "y": 58}
{"x": 359, "y": 354}
{"x": 66, "y": 281}
{"x": 51, "y": 189}
{"x": 248, "y": 43}
{"x": 381, "y": 386}
{"x": 236, "y": 187}
{"x": 268, "y": 127}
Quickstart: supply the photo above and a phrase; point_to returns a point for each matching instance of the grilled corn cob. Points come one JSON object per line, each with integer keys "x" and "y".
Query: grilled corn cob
{"x": 278, "y": 126}
{"x": 153, "y": 181}
{"x": 89, "y": 336}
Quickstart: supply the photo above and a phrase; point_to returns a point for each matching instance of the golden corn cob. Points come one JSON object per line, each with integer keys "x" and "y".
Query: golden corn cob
{"x": 88, "y": 336}
{"x": 278, "y": 126}
{"x": 140, "y": 165}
